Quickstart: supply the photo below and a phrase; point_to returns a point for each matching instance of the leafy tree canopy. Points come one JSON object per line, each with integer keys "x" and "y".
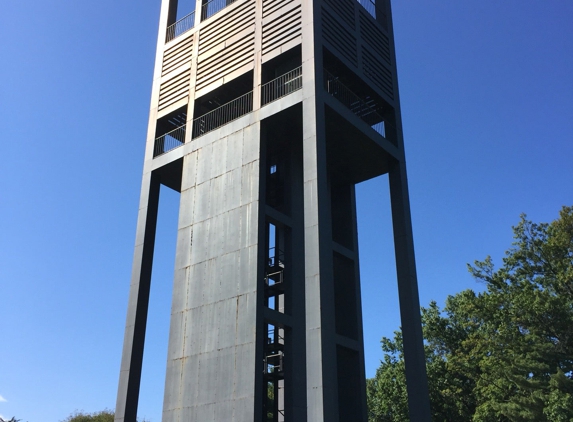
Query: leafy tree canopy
{"x": 505, "y": 354}
{"x": 102, "y": 416}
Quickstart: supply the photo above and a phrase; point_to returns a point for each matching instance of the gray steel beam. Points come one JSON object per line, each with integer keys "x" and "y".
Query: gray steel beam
{"x": 134, "y": 340}
{"x": 414, "y": 357}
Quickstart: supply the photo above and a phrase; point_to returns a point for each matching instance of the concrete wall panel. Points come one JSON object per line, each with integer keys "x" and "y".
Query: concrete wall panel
{"x": 199, "y": 249}
{"x": 217, "y": 194}
{"x": 227, "y": 330}
{"x": 182, "y": 254}
{"x": 251, "y": 144}
{"x": 234, "y": 150}
{"x": 212, "y": 336}
{"x": 192, "y": 334}
{"x": 195, "y": 285}
{"x": 249, "y": 183}
{"x": 207, "y": 379}
{"x": 214, "y": 246}
{"x": 229, "y": 274}
{"x": 244, "y": 373}
{"x": 247, "y": 269}
{"x": 202, "y": 202}
{"x": 204, "y": 164}
{"x": 219, "y": 159}
{"x": 226, "y": 367}
{"x": 180, "y": 287}
{"x": 233, "y": 196}
{"x": 224, "y": 411}
{"x": 189, "y": 386}
{"x": 210, "y": 323}
{"x": 187, "y": 207}
{"x": 232, "y": 230}
{"x": 175, "y": 347}
{"x": 246, "y": 312}
{"x": 172, "y": 389}
{"x": 243, "y": 410}
{"x": 205, "y": 413}
{"x": 189, "y": 174}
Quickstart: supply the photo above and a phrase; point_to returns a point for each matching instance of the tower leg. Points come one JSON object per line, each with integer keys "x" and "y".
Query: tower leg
{"x": 132, "y": 357}
{"x": 414, "y": 357}
{"x": 319, "y": 300}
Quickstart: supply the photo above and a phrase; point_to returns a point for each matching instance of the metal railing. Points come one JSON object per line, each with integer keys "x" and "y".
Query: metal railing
{"x": 214, "y": 6}
{"x": 274, "y": 363}
{"x": 276, "y": 258}
{"x": 281, "y": 86}
{"x": 375, "y": 11}
{"x": 223, "y": 115}
{"x": 180, "y": 27}
{"x": 169, "y": 141}
{"x": 354, "y": 103}
{"x": 380, "y": 128}
{"x": 274, "y": 337}
{"x": 274, "y": 278}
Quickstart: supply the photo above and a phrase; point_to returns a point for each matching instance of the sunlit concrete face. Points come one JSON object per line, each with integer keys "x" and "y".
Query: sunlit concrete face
{"x": 264, "y": 115}
{"x": 213, "y": 316}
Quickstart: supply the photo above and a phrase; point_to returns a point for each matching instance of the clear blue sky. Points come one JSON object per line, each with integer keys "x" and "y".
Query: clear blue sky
{"x": 487, "y": 102}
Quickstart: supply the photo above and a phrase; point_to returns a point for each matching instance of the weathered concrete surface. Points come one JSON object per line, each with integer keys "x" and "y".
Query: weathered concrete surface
{"x": 211, "y": 365}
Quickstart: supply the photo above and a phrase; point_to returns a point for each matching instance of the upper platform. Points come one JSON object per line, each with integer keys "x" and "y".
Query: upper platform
{"x": 229, "y": 38}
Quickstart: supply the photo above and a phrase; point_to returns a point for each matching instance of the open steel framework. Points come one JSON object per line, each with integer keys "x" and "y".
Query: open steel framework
{"x": 265, "y": 114}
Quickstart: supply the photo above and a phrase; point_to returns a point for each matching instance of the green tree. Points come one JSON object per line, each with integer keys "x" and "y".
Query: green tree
{"x": 102, "y": 416}
{"x": 505, "y": 354}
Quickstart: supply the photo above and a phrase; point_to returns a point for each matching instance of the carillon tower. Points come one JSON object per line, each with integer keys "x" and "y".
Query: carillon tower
{"x": 264, "y": 115}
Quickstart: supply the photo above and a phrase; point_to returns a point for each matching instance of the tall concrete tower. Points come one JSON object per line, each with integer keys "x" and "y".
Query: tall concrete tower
{"x": 264, "y": 115}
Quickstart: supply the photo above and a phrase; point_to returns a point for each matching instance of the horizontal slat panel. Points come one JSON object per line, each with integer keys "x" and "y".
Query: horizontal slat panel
{"x": 177, "y": 55}
{"x": 281, "y": 25}
{"x": 377, "y": 72}
{"x": 228, "y": 24}
{"x": 226, "y": 44}
{"x": 344, "y": 9}
{"x": 373, "y": 36}
{"x": 174, "y": 90}
{"x": 270, "y": 6}
{"x": 339, "y": 37}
